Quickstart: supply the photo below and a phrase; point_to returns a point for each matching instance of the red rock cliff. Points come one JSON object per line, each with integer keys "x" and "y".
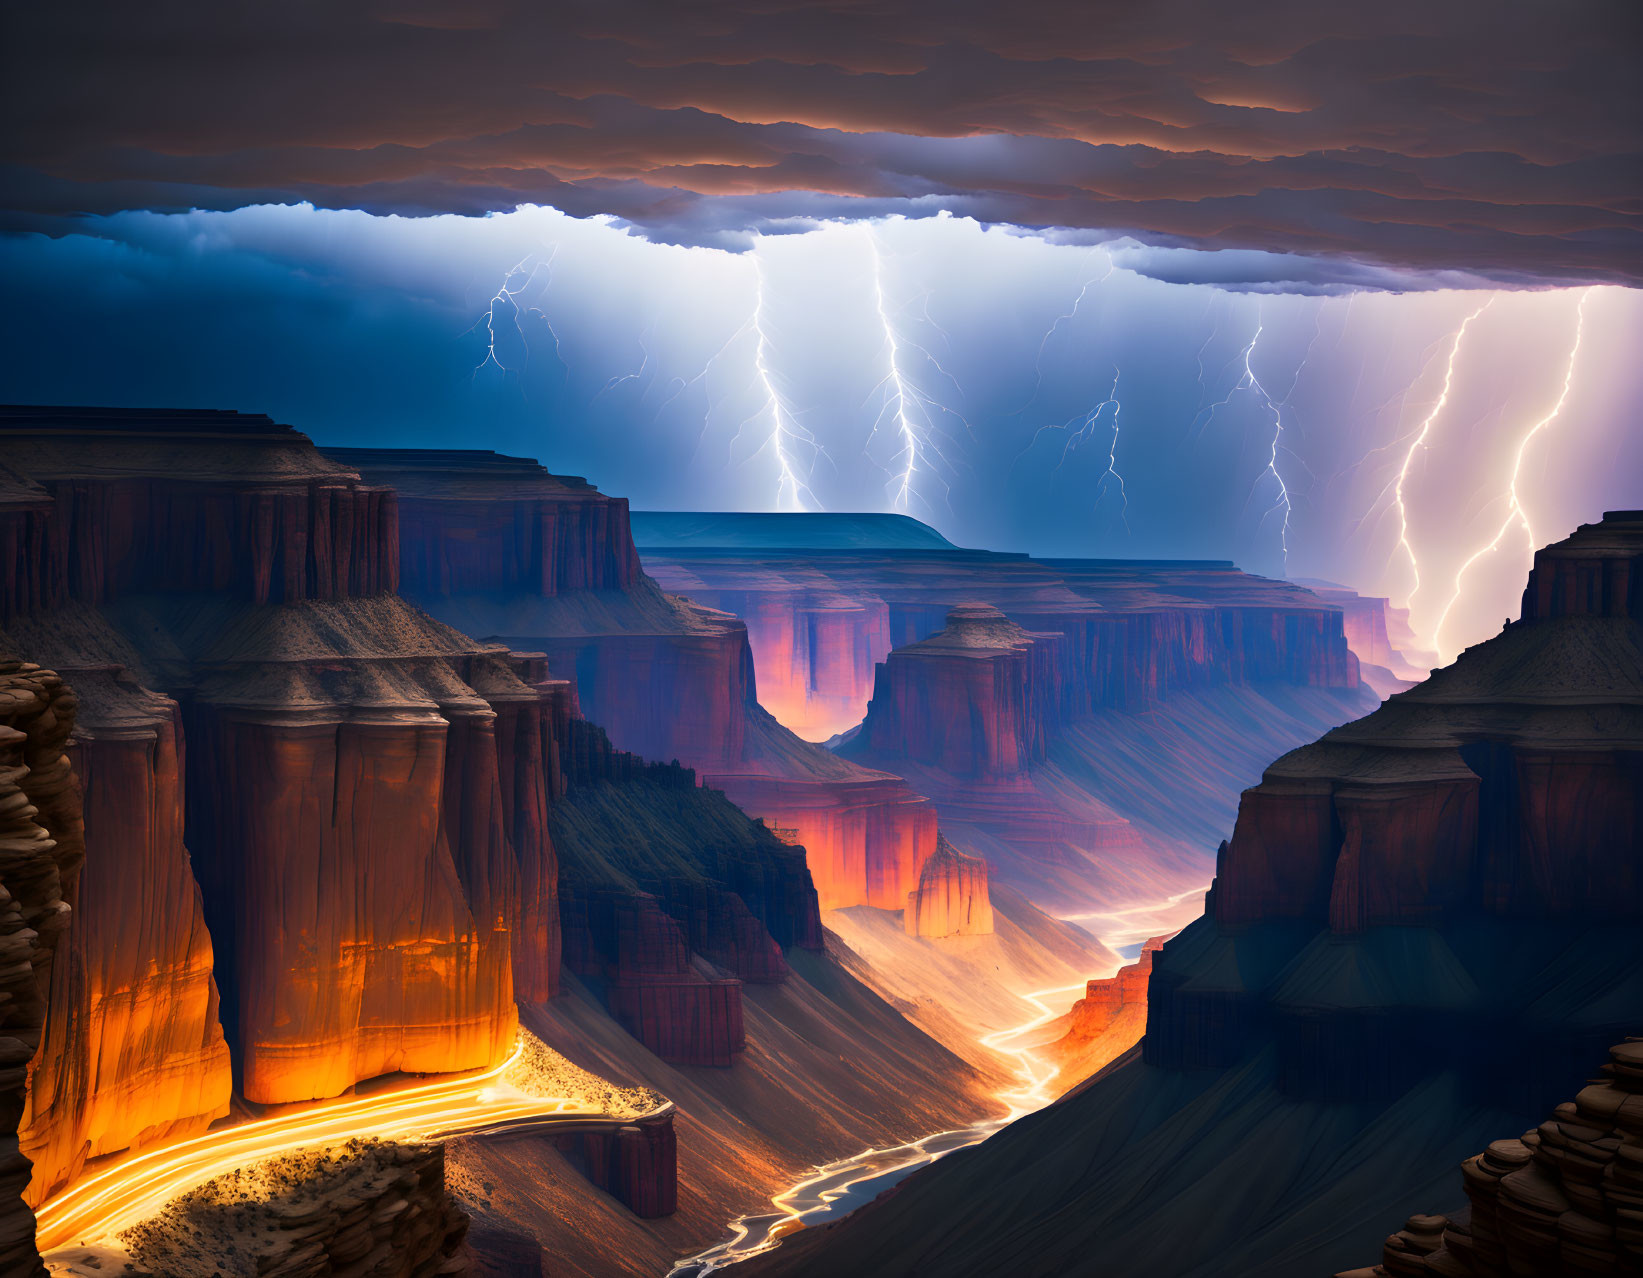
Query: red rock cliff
{"x": 666, "y": 679}
{"x": 363, "y": 789}
{"x": 134, "y": 1052}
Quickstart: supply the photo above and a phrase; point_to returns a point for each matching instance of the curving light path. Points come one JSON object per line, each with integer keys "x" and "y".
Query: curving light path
{"x": 99, "y": 1207}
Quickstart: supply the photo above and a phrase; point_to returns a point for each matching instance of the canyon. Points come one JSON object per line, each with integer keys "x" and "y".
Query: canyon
{"x": 331, "y": 769}
{"x": 319, "y": 848}
{"x": 1422, "y": 932}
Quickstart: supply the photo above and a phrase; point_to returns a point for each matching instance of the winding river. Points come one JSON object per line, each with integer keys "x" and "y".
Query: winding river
{"x": 838, "y": 1188}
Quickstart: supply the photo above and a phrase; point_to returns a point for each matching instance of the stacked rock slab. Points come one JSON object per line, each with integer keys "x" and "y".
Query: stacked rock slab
{"x": 1565, "y": 1200}
{"x": 484, "y": 544}
{"x": 361, "y": 787}
{"x": 41, "y": 846}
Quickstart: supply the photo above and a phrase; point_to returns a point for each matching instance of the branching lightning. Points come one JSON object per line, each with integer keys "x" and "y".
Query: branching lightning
{"x": 784, "y": 429}
{"x": 1080, "y": 430}
{"x": 1066, "y": 317}
{"x": 1247, "y": 381}
{"x": 1419, "y": 443}
{"x": 504, "y": 296}
{"x": 1515, "y": 514}
{"x": 910, "y": 410}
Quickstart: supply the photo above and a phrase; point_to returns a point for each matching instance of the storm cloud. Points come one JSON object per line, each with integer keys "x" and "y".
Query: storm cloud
{"x": 1495, "y": 140}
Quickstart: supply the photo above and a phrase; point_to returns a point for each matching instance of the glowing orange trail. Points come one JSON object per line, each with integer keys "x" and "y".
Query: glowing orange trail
{"x": 101, "y": 1206}
{"x": 1514, "y": 506}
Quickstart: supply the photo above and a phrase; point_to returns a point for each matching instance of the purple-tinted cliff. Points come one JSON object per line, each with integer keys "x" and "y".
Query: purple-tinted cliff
{"x": 1424, "y": 929}
{"x": 667, "y": 679}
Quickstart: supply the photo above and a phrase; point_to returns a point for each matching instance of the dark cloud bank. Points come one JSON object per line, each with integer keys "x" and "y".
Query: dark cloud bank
{"x": 1496, "y": 139}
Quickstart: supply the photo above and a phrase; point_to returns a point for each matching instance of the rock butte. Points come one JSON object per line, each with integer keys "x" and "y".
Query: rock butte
{"x": 1423, "y": 931}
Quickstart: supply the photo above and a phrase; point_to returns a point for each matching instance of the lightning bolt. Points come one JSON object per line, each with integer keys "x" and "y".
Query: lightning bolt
{"x": 1277, "y": 439}
{"x": 504, "y": 296}
{"x": 1419, "y": 443}
{"x": 896, "y": 402}
{"x": 784, "y": 430}
{"x": 912, "y": 411}
{"x": 1066, "y": 317}
{"x": 1082, "y": 433}
{"x": 1514, "y": 504}
{"x": 1112, "y": 458}
{"x": 1247, "y": 381}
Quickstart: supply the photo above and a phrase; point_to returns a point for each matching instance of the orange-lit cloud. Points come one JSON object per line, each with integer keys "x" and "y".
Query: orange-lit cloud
{"x": 1470, "y": 136}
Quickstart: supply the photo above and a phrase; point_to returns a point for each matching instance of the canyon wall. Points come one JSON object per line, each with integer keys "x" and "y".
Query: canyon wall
{"x": 668, "y": 679}
{"x": 951, "y": 898}
{"x": 672, "y": 900}
{"x": 1104, "y": 1024}
{"x": 1423, "y": 930}
{"x": 134, "y": 1052}
{"x": 360, "y": 792}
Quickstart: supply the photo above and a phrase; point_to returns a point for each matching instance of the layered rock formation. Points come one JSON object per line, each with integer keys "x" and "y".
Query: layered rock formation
{"x": 1423, "y": 929}
{"x": 951, "y": 898}
{"x": 1386, "y": 666}
{"x": 1563, "y": 1201}
{"x": 363, "y": 790}
{"x": 41, "y": 846}
{"x": 1036, "y": 732}
{"x": 1104, "y": 1024}
{"x": 134, "y": 1051}
{"x": 667, "y": 679}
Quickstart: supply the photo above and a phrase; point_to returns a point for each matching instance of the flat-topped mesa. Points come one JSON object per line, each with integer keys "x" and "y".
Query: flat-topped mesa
{"x": 951, "y": 898}
{"x": 380, "y": 776}
{"x": 667, "y": 679}
{"x": 978, "y": 700}
{"x": 1596, "y": 571}
{"x": 1136, "y": 630}
{"x": 1507, "y": 784}
{"x": 1503, "y": 797}
{"x": 478, "y": 522}
{"x": 183, "y": 501}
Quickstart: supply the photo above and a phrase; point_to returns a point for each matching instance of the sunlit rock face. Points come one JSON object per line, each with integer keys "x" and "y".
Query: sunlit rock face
{"x": 363, "y": 790}
{"x": 1108, "y": 1021}
{"x": 951, "y": 898}
{"x": 134, "y": 1051}
{"x": 41, "y": 846}
{"x": 1424, "y": 932}
{"x": 667, "y": 678}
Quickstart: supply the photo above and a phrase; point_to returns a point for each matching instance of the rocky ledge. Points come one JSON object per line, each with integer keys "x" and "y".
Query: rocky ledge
{"x": 1564, "y": 1200}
